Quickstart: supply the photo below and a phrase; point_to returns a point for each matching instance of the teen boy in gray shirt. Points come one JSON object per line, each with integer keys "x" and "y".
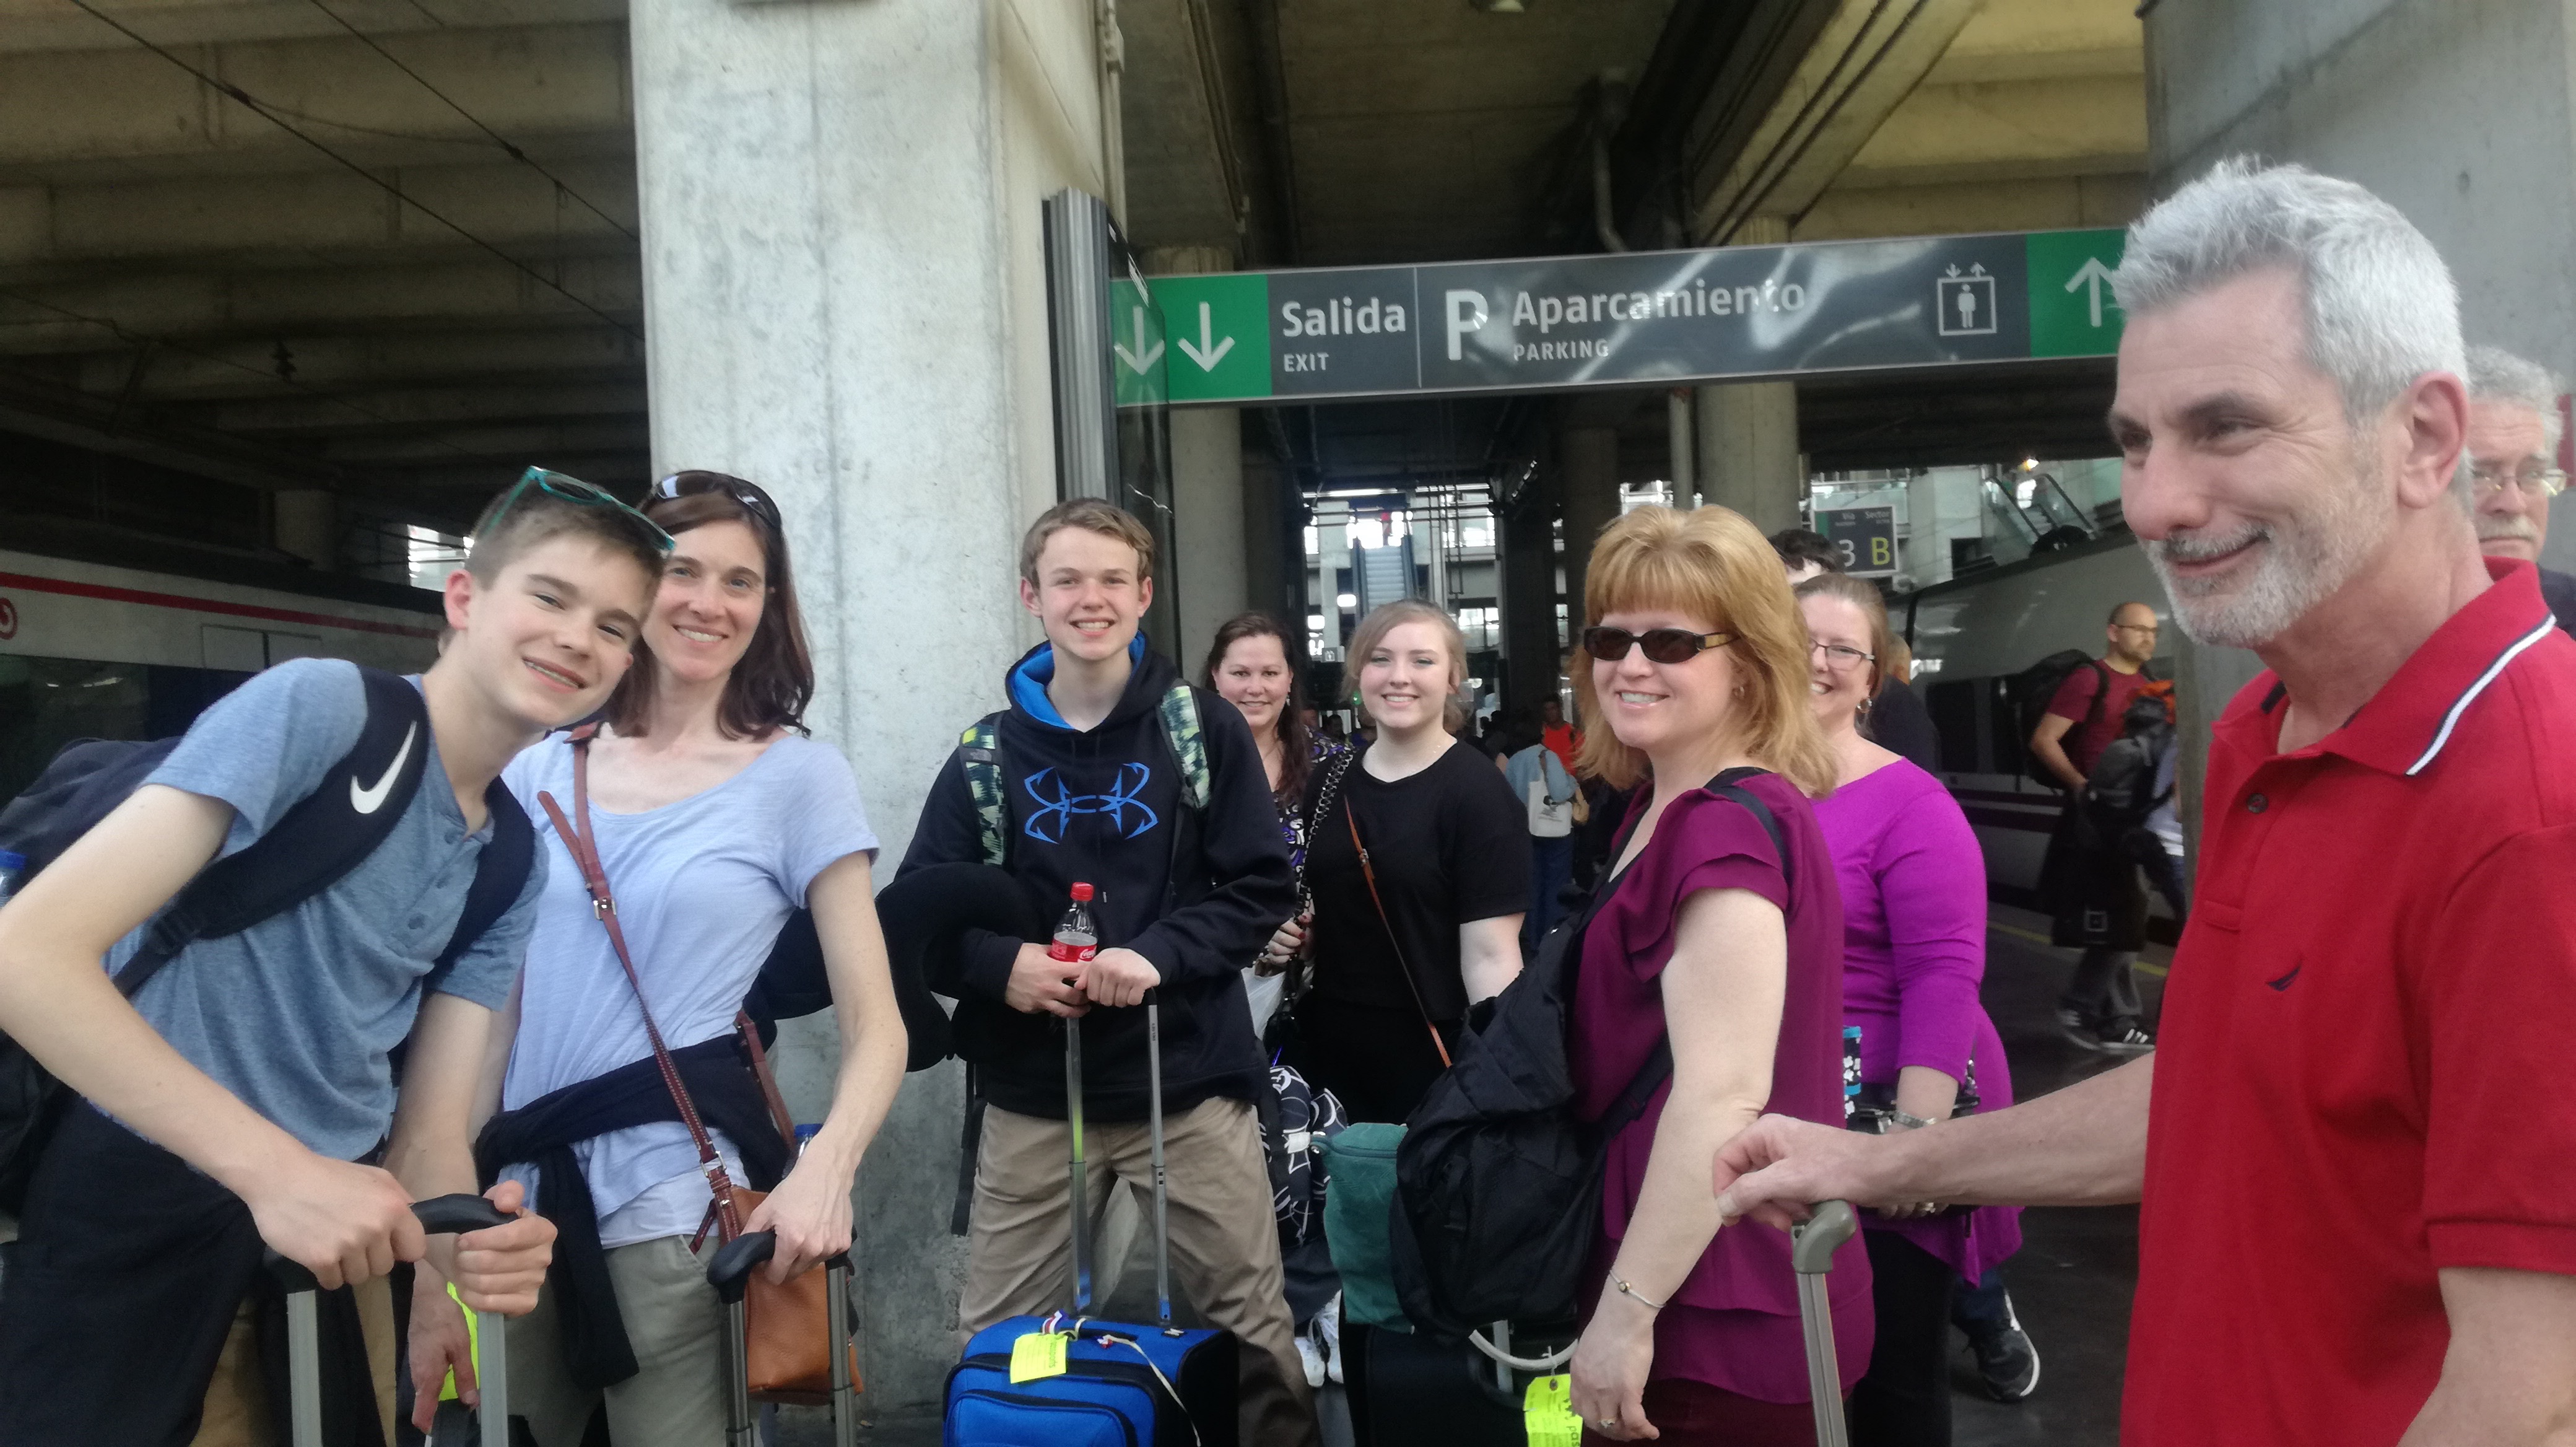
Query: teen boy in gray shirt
{"x": 230, "y": 1103}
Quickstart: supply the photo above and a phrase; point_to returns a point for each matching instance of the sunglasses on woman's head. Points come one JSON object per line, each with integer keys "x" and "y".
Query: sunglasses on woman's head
{"x": 692, "y": 483}
{"x": 573, "y": 490}
{"x": 1662, "y": 645}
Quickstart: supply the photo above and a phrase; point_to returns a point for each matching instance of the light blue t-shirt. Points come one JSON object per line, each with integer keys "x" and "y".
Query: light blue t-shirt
{"x": 702, "y": 887}
{"x": 1535, "y": 764}
{"x": 296, "y": 1014}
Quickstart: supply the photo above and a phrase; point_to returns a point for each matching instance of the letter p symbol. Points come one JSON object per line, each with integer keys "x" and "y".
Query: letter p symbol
{"x": 1466, "y": 314}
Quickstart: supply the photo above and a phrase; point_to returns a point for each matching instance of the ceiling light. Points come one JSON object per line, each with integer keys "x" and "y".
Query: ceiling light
{"x": 1497, "y": 7}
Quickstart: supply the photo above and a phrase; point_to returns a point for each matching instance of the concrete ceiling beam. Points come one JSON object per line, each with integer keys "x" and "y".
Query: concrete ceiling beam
{"x": 426, "y": 408}
{"x": 251, "y": 305}
{"x": 49, "y": 25}
{"x": 106, "y": 425}
{"x": 246, "y": 370}
{"x": 329, "y": 213}
{"x": 624, "y": 470}
{"x": 128, "y": 105}
{"x": 1870, "y": 55}
{"x": 2080, "y": 125}
{"x": 526, "y": 443}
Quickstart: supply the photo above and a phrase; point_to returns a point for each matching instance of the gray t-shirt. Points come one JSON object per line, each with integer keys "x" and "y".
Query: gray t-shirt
{"x": 296, "y": 1014}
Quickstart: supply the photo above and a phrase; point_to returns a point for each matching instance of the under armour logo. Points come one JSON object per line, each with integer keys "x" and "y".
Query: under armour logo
{"x": 1048, "y": 823}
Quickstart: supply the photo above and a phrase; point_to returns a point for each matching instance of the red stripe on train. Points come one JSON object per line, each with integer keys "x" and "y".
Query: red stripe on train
{"x": 205, "y": 605}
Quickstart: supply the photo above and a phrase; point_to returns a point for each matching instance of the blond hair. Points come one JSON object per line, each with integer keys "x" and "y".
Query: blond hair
{"x": 1383, "y": 620}
{"x": 1092, "y": 516}
{"x": 1861, "y": 594}
{"x": 1711, "y": 564}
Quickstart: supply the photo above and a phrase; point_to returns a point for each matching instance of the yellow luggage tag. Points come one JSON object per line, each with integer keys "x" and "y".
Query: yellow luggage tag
{"x": 1038, "y": 1355}
{"x": 1547, "y": 1413}
{"x": 473, "y": 1346}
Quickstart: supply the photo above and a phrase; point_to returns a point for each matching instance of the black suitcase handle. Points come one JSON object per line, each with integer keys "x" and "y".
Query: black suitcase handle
{"x": 451, "y": 1215}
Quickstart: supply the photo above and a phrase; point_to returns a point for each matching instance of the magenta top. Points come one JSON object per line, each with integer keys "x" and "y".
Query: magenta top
{"x": 1914, "y": 952}
{"x": 1733, "y": 1323}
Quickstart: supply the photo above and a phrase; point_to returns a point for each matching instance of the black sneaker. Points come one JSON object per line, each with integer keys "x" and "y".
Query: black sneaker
{"x": 2123, "y": 1037}
{"x": 2072, "y": 1024}
{"x": 2006, "y": 1361}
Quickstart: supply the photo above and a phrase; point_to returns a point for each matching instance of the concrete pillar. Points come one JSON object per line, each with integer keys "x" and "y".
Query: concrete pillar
{"x": 845, "y": 302}
{"x": 1748, "y": 431}
{"x": 1682, "y": 442}
{"x": 1333, "y": 539}
{"x": 306, "y": 523}
{"x": 1589, "y": 461}
{"x": 1526, "y": 583}
{"x": 1208, "y": 576}
{"x": 1274, "y": 554}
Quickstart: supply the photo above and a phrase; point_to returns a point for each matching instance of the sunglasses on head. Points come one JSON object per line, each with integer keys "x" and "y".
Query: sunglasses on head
{"x": 1662, "y": 645}
{"x": 572, "y": 489}
{"x": 692, "y": 483}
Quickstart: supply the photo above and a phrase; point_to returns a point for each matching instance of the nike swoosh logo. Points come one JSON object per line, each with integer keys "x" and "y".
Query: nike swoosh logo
{"x": 2283, "y": 983}
{"x": 368, "y": 800}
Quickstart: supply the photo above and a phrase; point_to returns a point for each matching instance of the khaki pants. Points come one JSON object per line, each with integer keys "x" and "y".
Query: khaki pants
{"x": 677, "y": 1328}
{"x": 237, "y": 1410}
{"x": 1225, "y": 1247}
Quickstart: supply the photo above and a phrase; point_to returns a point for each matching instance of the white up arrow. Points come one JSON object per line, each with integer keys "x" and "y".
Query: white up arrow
{"x": 1144, "y": 356}
{"x": 2097, "y": 276}
{"x": 1209, "y": 351}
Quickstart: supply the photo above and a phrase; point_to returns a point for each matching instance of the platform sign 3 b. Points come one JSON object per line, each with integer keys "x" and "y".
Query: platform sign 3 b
{"x": 1865, "y": 536}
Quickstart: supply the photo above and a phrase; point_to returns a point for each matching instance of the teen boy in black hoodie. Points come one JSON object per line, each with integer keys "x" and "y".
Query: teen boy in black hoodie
{"x": 1184, "y": 898}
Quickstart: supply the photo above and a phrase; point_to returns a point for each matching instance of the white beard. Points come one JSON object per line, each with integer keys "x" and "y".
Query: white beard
{"x": 2307, "y": 558}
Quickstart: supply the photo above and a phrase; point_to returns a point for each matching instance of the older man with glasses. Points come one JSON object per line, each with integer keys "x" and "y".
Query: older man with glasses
{"x": 2514, "y": 426}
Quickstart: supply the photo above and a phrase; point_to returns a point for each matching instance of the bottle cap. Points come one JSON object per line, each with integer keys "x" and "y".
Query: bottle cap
{"x": 1082, "y": 891}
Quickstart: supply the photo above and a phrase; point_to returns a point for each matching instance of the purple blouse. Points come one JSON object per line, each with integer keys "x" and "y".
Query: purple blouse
{"x": 1733, "y": 1323}
{"x": 1914, "y": 952}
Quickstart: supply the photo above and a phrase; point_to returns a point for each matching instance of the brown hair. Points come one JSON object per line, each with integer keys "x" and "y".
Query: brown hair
{"x": 526, "y": 516}
{"x": 1383, "y": 620}
{"x": 1092, "y": 516}
{"x": 1708, "y": 563}
{"x": 1296, "y": 745}
{"x": 774, "y": 679}
{"x": 1861, "y": 594}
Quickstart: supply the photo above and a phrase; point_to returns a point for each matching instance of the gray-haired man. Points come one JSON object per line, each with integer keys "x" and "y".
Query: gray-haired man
{"x": 2348, "y": 1139}
{"x": 2514, "y": 426}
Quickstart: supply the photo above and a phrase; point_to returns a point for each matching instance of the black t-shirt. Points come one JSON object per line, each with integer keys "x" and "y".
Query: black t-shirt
{"x": 1450, "y": 844}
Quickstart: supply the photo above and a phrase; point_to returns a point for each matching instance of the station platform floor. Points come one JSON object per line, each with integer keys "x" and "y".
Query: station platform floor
{"x": 2071, "y": 1282}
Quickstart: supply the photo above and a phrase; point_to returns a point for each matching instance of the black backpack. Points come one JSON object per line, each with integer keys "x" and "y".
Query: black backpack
{"x": 2034, "y": 688}
{"x": 1498, "y": 1186}
{"x": 310, "y": 848}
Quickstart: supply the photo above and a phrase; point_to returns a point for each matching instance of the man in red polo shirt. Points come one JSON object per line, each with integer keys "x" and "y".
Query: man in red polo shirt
{"x": 2355, "y": 1148}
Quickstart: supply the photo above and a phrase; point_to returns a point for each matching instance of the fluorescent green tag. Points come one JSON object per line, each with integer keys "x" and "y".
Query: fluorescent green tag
{"x": 1039, "y": 1354}
{"x": 1547, "y": 1412}
{"x": 473, "y": 1344}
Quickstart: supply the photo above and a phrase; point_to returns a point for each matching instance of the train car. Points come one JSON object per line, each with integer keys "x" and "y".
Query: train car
{"x": 1973, "y": 635}
{"x": 95, "y": 650}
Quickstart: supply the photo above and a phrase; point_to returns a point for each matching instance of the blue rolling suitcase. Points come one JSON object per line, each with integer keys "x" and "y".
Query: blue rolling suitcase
{"x": 1122, "y": 1385}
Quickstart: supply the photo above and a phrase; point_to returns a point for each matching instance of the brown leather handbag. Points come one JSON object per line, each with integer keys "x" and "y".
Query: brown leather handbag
{"x": 788, "y": 1337}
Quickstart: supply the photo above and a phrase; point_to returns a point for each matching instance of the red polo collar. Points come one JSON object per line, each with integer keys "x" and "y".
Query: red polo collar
{"x": 2406, "y": 724}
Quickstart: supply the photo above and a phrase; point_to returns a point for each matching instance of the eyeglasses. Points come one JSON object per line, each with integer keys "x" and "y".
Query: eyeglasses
{"x": 2537, "y": 482}
{"x": 1662, "y": 645}
{"x": 1840, "y": 656}
{"x": 572, "y": 489}
{"x": 2148, "y": 629}
{"x": 690, "y": 484}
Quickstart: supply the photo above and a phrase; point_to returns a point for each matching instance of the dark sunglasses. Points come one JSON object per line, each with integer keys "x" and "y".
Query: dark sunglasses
{"x": 1662, "y": 645}
{"x": 573, "y": 490}
{"x": 690, "y": 484}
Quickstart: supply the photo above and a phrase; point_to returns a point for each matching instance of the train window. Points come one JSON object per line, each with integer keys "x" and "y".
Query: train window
{"x": 1953, "y": 706}
{"x": 46, "y": 703}
{"x": 2003, "y": 717}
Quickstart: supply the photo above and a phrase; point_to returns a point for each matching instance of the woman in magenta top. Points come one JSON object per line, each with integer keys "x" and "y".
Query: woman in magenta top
{"x": 1696, "y": 666}
{"x": 1914, "y": 951}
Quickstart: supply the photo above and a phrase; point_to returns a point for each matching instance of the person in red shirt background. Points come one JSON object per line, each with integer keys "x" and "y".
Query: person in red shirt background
{"x": 2099, "y": 1010}
{"x": 2352, "y": 1149}
{"x": 1562, "y": 739}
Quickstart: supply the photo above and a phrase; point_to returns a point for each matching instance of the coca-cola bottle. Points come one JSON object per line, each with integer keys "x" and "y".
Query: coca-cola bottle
{"x": 1075, "y": 938}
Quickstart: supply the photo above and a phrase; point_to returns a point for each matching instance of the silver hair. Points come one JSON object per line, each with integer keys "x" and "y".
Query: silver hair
{"x": 2496, "y": 375}
{"x": 2380, "y": 306}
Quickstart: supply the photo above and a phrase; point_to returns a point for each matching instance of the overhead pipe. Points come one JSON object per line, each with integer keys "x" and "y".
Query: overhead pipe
{"x": 1609, "y": 108}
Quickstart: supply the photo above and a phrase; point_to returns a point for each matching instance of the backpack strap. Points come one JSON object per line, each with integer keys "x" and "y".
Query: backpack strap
{"x": 313, "y": 845}
{"x": 500, "y": 875}
{"x": 980, "y": 747}
{"x": 1180, "y": 714}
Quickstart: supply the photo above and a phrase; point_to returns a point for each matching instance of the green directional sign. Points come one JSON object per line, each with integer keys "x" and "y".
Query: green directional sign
{"x": 1219, "y": 329}
{"x": 1137, "y": 346}
{"x": 2071, "y": 310}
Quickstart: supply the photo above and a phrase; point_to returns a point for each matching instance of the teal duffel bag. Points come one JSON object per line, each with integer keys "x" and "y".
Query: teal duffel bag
{"x": 1360, "y": 1165}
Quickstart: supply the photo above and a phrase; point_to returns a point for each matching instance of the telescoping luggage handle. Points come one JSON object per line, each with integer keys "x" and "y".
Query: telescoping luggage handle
{"x": 438, "y": 1216}
{"x": 730, "y": 1274}
{"x": 1077, "y": 1169}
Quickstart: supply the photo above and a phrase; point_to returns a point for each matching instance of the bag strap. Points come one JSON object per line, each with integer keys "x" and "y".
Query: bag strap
{"x": 979, "y": 748}
{"x": 1180, "y": 713}
{"x": 1404, "y": 967}
{"x": 585, "y": 853}
{"x": 500, "y": 872}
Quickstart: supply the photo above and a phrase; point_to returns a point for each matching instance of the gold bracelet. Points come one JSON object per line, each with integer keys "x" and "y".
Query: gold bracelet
{"x": 1626, "y": 1290}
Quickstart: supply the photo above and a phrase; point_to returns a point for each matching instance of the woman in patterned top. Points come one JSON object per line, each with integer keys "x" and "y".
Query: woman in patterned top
{"x": 1248, "y": 666}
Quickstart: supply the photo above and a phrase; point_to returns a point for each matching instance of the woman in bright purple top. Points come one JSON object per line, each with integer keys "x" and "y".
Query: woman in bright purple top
{"x": 1696, "y": 668}
{"x": 1914, "y": 951}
